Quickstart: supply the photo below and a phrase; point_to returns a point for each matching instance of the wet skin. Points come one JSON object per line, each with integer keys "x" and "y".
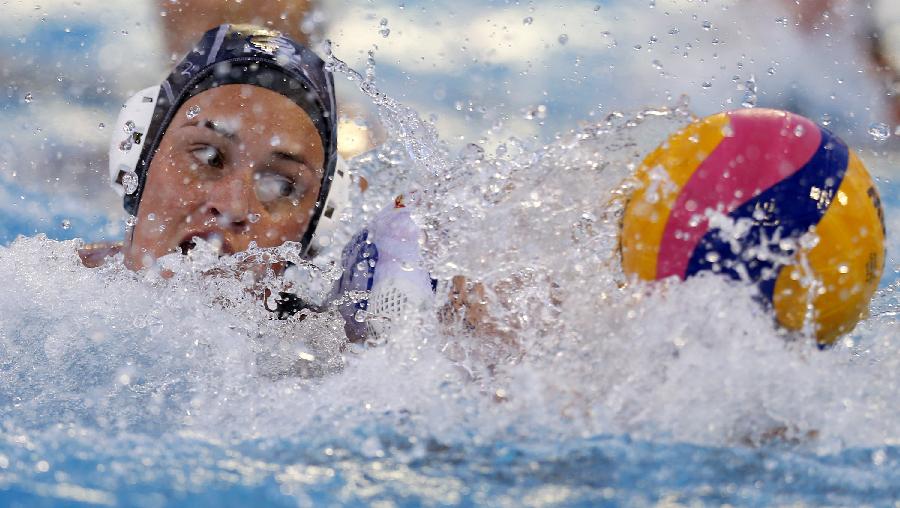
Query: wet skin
{"x": 247, "y": 168}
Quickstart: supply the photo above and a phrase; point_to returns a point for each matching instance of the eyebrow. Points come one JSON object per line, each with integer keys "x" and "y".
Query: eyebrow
{"x": 299, "y": 159}
{"x": 218, "y": 128}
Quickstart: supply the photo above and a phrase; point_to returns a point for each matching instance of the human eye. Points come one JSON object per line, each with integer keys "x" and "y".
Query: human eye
{"x": 208, "y": 156}
{"x": 273, "y": 186}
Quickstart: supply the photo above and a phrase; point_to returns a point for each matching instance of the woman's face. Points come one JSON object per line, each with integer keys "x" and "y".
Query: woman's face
{"x": 238, "y": 164}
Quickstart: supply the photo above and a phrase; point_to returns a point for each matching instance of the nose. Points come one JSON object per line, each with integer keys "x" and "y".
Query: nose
{"x": 228, "y": 201}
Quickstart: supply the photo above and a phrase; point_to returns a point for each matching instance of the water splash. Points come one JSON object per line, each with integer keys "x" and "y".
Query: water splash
{"x": 184, "y": 361}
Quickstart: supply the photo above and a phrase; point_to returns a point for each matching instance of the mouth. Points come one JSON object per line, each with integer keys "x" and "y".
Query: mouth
{"x": 213, "y": 238}
{"x": 186, "y": 246}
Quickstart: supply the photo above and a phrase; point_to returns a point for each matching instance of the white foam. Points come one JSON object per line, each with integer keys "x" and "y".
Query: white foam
{"x": 581, "y": 354}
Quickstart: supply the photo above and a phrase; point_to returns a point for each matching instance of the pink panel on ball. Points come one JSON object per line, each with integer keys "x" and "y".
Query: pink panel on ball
{"x": 765, "y": 147}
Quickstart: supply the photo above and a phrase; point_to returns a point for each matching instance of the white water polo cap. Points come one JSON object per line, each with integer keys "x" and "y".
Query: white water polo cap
{"x": 233, "y": 54}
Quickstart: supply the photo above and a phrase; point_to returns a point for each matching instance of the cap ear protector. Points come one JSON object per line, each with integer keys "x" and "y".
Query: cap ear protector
{"x": 128, "y": 139}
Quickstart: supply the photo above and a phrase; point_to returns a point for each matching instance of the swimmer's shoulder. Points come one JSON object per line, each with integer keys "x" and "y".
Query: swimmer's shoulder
{"x": 94, "y": 255}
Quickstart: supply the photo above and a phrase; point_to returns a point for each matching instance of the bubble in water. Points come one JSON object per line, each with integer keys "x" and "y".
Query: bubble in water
{"x": 706, "y": 25}
{"x": 151, "y": 216}
{"x": 527, "y": 21}
{"x": 383, "y": 28}
{"x": 563, "y": 39}
{"x": 193, "y": 111}
{"x": 798, "y": 131}
{"x": 539, "y": 112}
{"x": 29, "y": 97}
{"x": 471, "y": 153}
{"x": 275, "y": 141}
{"x": 129, "y": 127}
{"x": 253, "y": 217}
{"x": 130, "y": 182}
{"x": 825, "y": 120}
{"x": 130, "y": 221}
{"x": 749, "y": 99}
{"x": 65, "y": 224}
{"x": 879, "y": 131}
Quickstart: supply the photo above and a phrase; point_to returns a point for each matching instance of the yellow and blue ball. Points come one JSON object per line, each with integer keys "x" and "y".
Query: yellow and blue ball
{"x": 802, "y": 217}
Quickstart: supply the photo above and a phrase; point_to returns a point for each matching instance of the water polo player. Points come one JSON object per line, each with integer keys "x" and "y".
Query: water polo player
{"x": 238, "y": 146}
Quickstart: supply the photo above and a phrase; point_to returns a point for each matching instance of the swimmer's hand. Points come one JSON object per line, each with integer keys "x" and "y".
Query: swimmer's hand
{"x": 95, "y": 255}
{"x": 468, "y": 305}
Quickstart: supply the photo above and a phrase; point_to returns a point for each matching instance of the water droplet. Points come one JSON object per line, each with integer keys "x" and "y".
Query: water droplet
{"x": 471, "y": 153}
{"x": 101, "y": 126}
{"x": 275, "y": 141}
{"x": 29, "y": 97}
{"x": 151, "y": 216}
{"x": 826, "y": 120}
{"x": 65, "y": 224}
{"x": 383, "y": 28}
{"x": 657, "y": 65}
{"x": 193, "y": 111}
{"x": 782, "y": 21}
{"x": 750, "y": 97}
{"x": 527, "y": 21}
{"x": 771, "y": 71}
{"x": 130, "y": 221}
{"x": 879, "y": 131}
{"x": 728, "y": 131}
{"x": 130, "y": 182}
{"x": 799, "y": 130}
{"x": 712, "y": 257}
{"x": 129, "y": 127}
{"x": 563, "y": 39}
{"x": 706, "y": 84}
{"x": 253, "y": 218}
{"x": 706, "y": 25}
{"x": 360, "y": 316}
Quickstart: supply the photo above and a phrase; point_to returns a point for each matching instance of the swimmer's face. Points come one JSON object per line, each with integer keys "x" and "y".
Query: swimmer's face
{"x": 246, "y": 168}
